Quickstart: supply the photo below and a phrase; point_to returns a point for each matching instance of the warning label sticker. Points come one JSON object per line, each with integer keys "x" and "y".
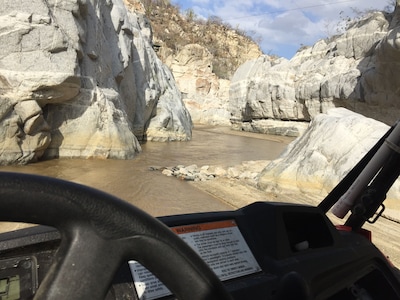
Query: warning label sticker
{"x": 220, "y": 244}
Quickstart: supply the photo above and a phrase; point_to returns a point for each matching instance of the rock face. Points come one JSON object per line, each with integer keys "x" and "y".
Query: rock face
{"x": 203, "y": 56}
{"x": 315, "y": 162}
{"x": 173, "y": 29}
{"x": 79, "y": 78}
{"x": 358, "y": 70}
{"x": 205, "y": 95}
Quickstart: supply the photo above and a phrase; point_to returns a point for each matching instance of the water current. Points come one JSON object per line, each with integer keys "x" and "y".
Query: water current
{"x": 159, "y": 195}
{"x": 131, "y": 180}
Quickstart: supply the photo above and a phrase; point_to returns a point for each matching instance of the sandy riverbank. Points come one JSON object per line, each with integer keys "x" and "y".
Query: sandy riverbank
{"x": 237, "y": 193}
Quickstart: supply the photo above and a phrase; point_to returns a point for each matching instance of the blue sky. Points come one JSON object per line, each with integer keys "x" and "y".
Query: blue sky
{"x": 283, "y": 26}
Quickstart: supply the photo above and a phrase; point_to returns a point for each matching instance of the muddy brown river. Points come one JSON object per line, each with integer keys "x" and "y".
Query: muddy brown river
{"x": 153, "y": 192}
{"x": 160, "y": 195}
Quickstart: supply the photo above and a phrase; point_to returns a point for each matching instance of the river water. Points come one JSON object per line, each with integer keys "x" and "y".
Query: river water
{"x": 153, "y": 192}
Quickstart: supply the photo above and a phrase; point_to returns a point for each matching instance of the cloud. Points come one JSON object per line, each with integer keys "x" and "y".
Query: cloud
{"x": 283, "y": 25}
{"x": 287, "y": 32}
{"x": 201, "y": 1}
{"x": 286, "y": 25}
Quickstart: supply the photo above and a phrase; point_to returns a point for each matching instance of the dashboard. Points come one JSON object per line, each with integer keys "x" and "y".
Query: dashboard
{"x": 266, "y": 250}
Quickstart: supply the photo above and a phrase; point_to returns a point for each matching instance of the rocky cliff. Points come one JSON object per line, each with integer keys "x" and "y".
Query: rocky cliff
{"x": 79, "y": 78}
{"x": 205, "y": 95}
{"x": 202, "y": 54}
{"x": 358, "y": 70}
{"x": 173, "y": 29}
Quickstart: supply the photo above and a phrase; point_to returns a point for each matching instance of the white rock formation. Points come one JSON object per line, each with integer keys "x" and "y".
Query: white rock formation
{"x": 202, "y": 56}
{"x": 205, "y": 95}
{"x": 358, "y": 70}
{"x": 315, "y": 162}
{"x": 79, "y": 78}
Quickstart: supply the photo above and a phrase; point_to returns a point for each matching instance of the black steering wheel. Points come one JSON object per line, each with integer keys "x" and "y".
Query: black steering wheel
{"x": 98, "y": 233}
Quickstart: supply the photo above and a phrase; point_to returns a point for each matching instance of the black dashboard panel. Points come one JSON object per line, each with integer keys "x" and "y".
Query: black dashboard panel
{"x": 301, "y": 254}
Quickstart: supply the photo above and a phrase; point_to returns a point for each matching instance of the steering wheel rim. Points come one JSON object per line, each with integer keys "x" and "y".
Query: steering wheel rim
{"x": 98, "y": 233}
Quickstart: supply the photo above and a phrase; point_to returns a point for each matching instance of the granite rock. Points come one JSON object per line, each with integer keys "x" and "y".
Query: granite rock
{"x": 79, "y": 78}
{"x": 315, "y": 162}
{"x": 358, "y": 70}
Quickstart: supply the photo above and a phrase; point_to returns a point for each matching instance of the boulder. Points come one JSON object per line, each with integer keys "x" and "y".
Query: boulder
{"x": 315, "y": 162}
{"x": 247, "y": 171}
{"x": 79, "y": 78}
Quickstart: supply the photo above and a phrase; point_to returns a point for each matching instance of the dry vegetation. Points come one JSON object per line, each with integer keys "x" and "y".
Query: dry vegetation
{"x": 173, "y": 29}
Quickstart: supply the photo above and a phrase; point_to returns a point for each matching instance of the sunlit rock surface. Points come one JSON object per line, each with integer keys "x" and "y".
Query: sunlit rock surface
{"x": 358, "y": 70}
{"x": 205, "y": 95}
{"x": 315, "y": 162}
{"x": 79, "y": 78}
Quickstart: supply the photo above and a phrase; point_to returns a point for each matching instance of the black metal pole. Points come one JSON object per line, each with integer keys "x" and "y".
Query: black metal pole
{"x": 348, "y": 180}
{"x": 370, "y": 201}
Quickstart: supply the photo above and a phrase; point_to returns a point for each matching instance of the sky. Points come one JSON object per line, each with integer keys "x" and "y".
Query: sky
{"x": 282, "y": 26}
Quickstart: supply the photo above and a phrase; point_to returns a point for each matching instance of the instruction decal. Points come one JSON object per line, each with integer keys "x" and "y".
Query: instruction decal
{"x": 220, "y": 244}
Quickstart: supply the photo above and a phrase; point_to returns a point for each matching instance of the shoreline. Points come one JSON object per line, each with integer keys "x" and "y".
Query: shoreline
{"x": 236, "y": 193}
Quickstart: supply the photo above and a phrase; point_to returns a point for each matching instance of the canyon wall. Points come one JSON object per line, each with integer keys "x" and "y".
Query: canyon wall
{"x": 79, "y": 78}
{"x": 358, "y": 70}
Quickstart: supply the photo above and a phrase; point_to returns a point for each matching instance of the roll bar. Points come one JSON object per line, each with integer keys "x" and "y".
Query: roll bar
{"x": 363, "y": 190}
